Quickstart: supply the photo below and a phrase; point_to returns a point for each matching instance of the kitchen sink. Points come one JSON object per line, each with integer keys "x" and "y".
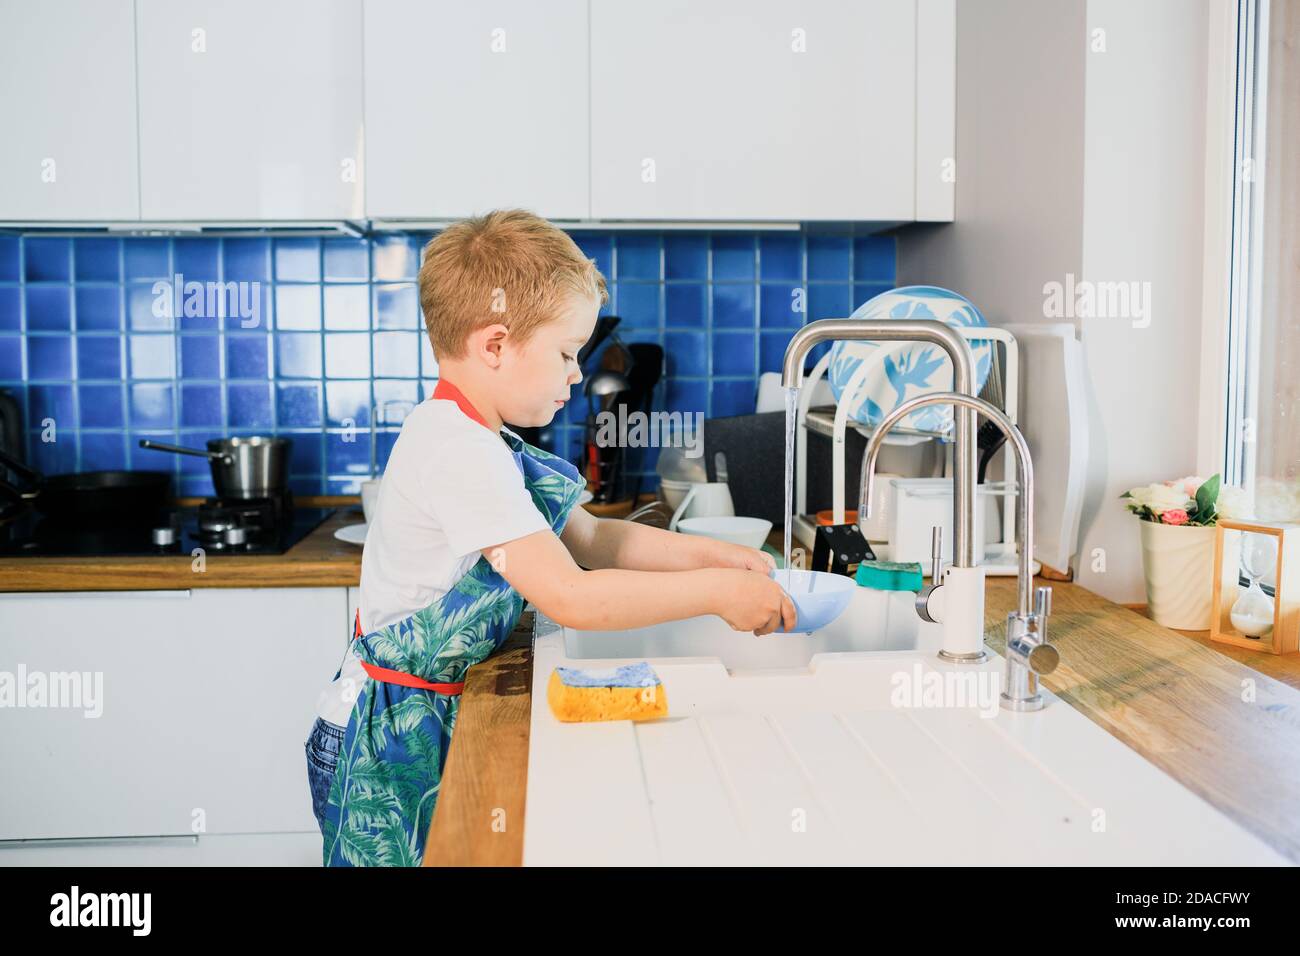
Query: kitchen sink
{"x": 852, "y": 745}
{"x": 873, "y": 621}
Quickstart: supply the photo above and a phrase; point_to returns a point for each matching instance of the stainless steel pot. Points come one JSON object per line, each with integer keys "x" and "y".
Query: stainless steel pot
{"x": 255, "y": 466}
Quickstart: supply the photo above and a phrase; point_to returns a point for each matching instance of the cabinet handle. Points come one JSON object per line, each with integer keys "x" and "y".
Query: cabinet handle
{"x": 174, "y": 594}
{"x": 54, "y": 842}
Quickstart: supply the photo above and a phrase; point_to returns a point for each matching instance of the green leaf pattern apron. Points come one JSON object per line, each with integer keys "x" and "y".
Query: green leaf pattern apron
{"x": 385, "y": 787}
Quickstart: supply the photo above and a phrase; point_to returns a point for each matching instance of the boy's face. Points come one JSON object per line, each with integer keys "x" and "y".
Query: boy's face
{"x": 542, "y": 370}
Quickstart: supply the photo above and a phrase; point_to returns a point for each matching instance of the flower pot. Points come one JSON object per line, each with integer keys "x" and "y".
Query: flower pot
{"x": 1179, "y": 565}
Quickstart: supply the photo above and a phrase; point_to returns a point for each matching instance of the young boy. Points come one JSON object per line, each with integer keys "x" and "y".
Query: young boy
{"x": 471, "y": 521}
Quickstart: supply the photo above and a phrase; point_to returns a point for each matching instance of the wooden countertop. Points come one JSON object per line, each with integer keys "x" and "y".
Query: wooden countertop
{"x": 1226, "y": 731}
{"x": 317, "y": 561}
{"x": 480, "y": 820}
{"x": 1280, "y": 667}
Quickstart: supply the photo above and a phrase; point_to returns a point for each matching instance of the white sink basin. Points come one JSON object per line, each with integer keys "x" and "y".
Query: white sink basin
{"x": 800, "y": 749}
{"x": 873, "y": 621}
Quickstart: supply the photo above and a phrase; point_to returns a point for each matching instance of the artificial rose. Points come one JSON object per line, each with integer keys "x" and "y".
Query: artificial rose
{"x": 1161, "y": 498}
{"x": 1174, "y": 516}
{"x": 1187, "y": 485}
{"x": 1138, "y": 497}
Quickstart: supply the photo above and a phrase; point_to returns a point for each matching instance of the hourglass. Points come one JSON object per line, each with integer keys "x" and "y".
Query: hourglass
{"x": 1267, "y": 555}
{"x": 1252, "y": 612}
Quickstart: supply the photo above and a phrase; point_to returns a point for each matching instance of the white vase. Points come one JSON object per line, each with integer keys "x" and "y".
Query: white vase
{"x": 1179, "y": 565}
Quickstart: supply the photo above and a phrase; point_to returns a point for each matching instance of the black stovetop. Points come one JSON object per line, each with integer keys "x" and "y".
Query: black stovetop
{"x": 267, "y": 529}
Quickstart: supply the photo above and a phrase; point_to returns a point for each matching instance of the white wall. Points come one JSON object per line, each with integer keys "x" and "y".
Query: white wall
{"x": 1088, "y": 164}
{"x": 1143, "y": 221}
{"x": 1019, "y": 215}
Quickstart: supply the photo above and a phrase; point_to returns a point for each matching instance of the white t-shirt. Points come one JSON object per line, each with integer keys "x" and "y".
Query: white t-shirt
{"x": 451, "y": 488}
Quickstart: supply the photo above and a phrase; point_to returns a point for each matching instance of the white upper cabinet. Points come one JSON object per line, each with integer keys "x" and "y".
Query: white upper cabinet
{"x": 476, "y": 106}
{"x": 250, "y": 110}
{"x": 754, "y": 109}
{"x": 212, "y": 111}
{"x": 67, "y": 110}
{"x": 936, "y": 110}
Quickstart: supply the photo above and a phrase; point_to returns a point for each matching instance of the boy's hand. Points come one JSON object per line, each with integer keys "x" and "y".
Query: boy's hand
{"x": 755, "y": 603}
{"x": 747, "y": 559}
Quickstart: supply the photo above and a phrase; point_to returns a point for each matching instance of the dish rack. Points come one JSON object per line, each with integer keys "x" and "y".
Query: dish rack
{"x": 999, "y": 558}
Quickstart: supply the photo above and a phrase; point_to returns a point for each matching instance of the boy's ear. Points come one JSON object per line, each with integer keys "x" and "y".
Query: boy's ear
{"x": 493, "y": 339}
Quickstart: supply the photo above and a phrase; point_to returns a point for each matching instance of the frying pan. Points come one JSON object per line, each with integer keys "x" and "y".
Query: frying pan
{"x": 96, "y": 496}
{"x": 11, "y": 442}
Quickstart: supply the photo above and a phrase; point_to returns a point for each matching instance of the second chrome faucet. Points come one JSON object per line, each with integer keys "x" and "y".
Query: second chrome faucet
{"x": 1028, "y": 653}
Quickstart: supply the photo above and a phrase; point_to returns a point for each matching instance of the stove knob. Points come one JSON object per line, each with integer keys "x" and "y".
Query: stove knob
{"x": 164, "y": 537}
{"x": 235, "y": 535}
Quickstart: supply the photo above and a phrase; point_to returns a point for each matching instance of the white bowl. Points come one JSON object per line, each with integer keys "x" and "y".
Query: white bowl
{"x": 672, "y": 491}
{"x": 819, "y": 597}
{"x": 751, "y": 532}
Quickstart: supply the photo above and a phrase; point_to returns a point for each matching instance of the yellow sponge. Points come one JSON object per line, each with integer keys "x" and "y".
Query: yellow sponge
{"x": 629, "y": 692}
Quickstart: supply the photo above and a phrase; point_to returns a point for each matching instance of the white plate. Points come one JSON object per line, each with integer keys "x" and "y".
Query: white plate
{"x": 353, "y": 533}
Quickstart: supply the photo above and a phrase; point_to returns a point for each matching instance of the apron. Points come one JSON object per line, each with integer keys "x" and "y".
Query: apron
{"x": 382, "y": 796}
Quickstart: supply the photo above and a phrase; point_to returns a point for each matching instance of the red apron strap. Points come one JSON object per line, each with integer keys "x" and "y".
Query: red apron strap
{"x": 410, "y": 680}
{"x": 388, "y": 676}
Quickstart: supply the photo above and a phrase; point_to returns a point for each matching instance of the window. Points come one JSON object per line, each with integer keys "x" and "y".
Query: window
{"x": 1262, "y": 440}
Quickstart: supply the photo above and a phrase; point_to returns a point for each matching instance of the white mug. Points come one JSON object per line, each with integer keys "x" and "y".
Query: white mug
{"x": 369, "y": 498}
{"x": 882, "y": 506}
{"x": 706, "y": 499}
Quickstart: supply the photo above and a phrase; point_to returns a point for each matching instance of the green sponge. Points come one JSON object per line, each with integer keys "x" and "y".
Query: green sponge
{"x": 890, "y": 575}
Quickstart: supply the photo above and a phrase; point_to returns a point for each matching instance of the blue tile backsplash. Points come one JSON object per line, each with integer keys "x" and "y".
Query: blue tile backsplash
{"x": 89, "y": 340}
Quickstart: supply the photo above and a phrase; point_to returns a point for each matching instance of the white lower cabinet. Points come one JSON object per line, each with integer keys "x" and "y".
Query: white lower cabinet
{"x": 167, "y": 713}
{"x": 231, "y": 849}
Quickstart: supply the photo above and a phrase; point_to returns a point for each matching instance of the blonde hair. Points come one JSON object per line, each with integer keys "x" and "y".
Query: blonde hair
{"x": 507, "y": 266}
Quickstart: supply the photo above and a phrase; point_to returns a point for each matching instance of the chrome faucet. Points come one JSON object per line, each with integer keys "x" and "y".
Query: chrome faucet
{"x": 963, "y": 627}
{"x": 1028, "y": 653}
{"x": 963, "y": 363}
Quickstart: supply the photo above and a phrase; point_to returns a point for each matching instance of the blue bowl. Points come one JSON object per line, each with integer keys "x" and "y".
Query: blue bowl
{"x": 819, "y": 597}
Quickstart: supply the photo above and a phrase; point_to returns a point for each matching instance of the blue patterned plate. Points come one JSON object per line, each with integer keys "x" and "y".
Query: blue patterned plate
{"x": 904, "y": 370}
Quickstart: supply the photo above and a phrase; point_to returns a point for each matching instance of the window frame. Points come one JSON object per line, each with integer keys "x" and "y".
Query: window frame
{"x": 1241, "y": 323}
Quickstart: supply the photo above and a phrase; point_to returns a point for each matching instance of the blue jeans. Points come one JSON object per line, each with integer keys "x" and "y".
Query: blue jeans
{"x": 322, "y": 746}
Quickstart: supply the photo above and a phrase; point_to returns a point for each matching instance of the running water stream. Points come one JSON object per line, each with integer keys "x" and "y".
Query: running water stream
{"x": 791, "y": 414}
